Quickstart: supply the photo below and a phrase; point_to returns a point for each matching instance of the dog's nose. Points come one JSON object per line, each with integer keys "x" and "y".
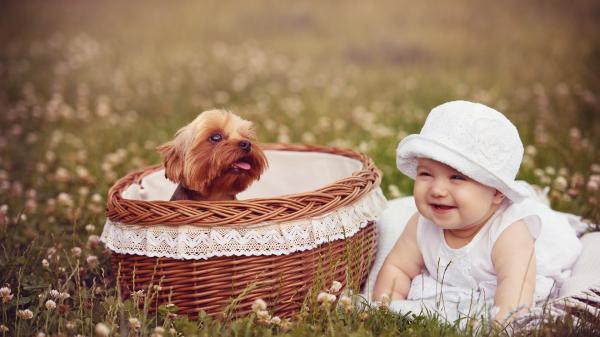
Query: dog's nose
{"x": 245, "y": 145}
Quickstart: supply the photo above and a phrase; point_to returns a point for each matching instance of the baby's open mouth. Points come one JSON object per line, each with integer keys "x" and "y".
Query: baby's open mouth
{"x": 440, "y": 207}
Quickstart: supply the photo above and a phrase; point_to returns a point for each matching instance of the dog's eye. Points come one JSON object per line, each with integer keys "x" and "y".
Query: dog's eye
{"x": 215, "y": 138}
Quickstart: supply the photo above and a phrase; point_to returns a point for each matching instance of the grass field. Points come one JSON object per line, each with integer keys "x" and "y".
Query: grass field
{"x": 88, "y": 89}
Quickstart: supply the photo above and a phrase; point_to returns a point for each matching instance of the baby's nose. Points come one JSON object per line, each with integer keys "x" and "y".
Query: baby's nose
{"x": 438, "y": 189}
{"x": 245, "y": 145}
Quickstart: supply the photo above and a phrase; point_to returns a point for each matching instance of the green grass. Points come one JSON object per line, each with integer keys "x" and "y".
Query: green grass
{"x": 88, "y": 89}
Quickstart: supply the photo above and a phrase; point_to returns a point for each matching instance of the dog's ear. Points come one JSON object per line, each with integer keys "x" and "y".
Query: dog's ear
{"x": 173, "y": 161}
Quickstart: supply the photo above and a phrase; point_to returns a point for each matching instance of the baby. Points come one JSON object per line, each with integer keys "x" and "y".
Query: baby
{"x": 477, "y": 232}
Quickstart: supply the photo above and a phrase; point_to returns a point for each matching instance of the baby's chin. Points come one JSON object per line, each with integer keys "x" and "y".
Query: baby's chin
{"x": 447, "y": 224}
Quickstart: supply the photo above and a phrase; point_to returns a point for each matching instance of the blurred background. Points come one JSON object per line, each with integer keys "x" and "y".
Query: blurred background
{"x": 88, "y": 89}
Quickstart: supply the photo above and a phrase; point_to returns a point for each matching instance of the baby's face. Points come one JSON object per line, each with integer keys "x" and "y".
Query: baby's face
{"x": 450, "y": 199}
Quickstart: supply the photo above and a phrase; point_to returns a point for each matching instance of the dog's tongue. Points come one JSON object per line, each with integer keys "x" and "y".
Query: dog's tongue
{"x": 242, "y": 165}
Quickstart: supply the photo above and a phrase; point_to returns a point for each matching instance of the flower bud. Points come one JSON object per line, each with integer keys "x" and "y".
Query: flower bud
{"x": 336, "y": 286}
{"x": 50, "y": 305}
{"x": 102, "y": 330}
{"x": 259, "y": 305}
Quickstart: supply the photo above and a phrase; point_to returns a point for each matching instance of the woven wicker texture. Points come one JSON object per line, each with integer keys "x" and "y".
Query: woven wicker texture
{"x": 246, "y": 212}
{"x": 214, "y": 284}
{"x": 282, "y": 281}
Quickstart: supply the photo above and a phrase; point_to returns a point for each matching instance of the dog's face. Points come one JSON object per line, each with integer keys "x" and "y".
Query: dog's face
{"x": 214, "y": 154}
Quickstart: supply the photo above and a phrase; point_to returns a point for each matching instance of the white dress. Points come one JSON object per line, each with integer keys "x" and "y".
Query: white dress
{"x": 462, "y": 282}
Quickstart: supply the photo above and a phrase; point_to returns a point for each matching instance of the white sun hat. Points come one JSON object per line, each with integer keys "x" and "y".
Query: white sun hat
{"x": 474, "y": 139}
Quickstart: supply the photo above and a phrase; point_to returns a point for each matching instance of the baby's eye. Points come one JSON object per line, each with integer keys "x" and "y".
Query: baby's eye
{"x": 215, "y": 138}
{"x": 458, "y": 177}
{"x": 423, "y": 174}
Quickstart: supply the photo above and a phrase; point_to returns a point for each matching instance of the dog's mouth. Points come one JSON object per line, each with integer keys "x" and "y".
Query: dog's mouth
{"x": 241, "y": 166}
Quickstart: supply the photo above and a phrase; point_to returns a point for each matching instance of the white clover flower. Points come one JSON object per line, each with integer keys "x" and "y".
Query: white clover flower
{"x": 275, "y": 320}
{"x": 593, "y": 185}
{"x": 308, "y": 137}
{"x": 5, "y": 291}
{"x": 92, "y": 261}
{"x": 64, "y": 199}
{"x": 138, "y": 293}
{"x": 83, "y": 191}
{"x": 531, "y": 150}
{"x": 93, "y": 239}
{"x": 3, "y": 328}
{"x": 64, "y": 295}
{"x": 283, "y": 137}
{"x": 345, "y": 300}
{"x": 54, "y": 293}
{"x": 322, "y": 297}
{"x": 335, "y": 286}
{"x": 575, "y": 133}
{"x": 25, "y": 314}
{"x": 82, "y": 172}
{"x": 346, "y": 303}
{"x": 325, "y": 298}
{"x": 40, "y": 334}
{"x": 102, "y": 330}
{"x": 528, "y": 162}
{"x": 71, "y": 325}
{"x": 61, "y": 173}
{"x": 263, "y": 315}
{"x": 258, "y": 305}
{"x": 90, "y": 228}
{"x": 45, "y": 263}
{"x": 560, "y": 183}
{"x": 134, "y": 323}
{"x": 6, "y": 295}
{"x": 97, "y": 198}
{"x": 76, "y": 251}
{"x": 394, "y": 191}
{"x": 50, "y": 305}
{"x": 106, "y": 166}
{"x": 545, "y": 180}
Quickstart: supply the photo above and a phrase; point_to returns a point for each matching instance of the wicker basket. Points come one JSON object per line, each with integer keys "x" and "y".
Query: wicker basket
{"x": 281, "y": 279}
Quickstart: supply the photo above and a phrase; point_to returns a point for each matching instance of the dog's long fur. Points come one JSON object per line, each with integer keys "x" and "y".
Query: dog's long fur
{"x": 205, "y": 169}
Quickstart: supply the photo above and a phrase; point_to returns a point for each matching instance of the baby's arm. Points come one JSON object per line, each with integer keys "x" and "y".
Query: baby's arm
{"x": 401, "y": 265}
{"x": 513, "y": 257}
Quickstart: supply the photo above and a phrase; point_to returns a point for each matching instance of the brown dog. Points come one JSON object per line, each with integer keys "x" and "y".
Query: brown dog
{"x": 213, "y": 157}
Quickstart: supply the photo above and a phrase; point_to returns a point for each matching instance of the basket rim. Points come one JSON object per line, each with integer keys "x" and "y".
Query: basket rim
{"x": 287, "y": 207}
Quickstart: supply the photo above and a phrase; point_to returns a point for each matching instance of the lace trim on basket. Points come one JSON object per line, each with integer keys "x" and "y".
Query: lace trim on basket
{"x": 269, "y": 238}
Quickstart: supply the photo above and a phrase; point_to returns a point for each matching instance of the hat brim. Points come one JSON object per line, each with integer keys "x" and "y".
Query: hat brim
{"x": 416, "y": 146}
